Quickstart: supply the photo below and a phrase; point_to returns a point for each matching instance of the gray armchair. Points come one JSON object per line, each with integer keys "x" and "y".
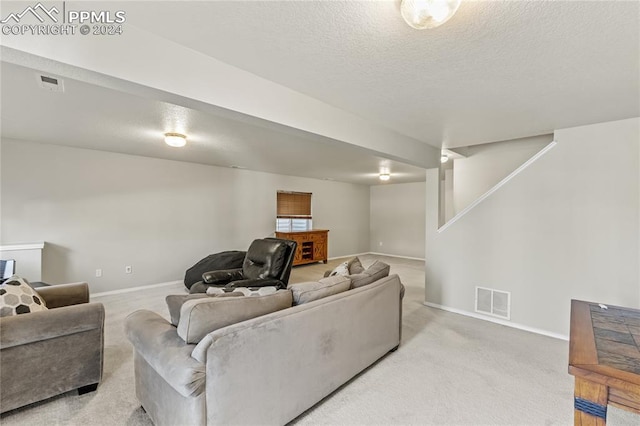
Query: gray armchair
{"x": 50, "y": 352}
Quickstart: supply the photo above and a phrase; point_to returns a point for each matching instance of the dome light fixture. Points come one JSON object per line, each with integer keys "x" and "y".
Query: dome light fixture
{"x": 444, "y": 158}
{"x": 175, "y": 139}
{"x": 385, "y": 177}
{"x": 422, "y": 14}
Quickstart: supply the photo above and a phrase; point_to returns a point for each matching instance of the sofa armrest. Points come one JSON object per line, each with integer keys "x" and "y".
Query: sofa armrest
{"x": 157, "y": 341}
{"x": 43, "y": 325}
{"x": 256, "y": 282}
{"x": 222, "y": 276}
{"x": 56, "y": 296}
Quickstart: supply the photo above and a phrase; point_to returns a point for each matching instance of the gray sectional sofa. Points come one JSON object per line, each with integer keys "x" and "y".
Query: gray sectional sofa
{"x": 268, "y": 369}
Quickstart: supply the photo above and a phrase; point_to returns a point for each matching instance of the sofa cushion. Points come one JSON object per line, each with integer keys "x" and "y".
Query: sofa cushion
{"x": 378, "y": 270}
{"x": 199, "y": 317}
{"x": 373, "y": 273}
{"x": 17, "y": 297}
{"x": 314, "y": 290}
{"x": 355, "y": 266}
{"x": 359, "y": 280}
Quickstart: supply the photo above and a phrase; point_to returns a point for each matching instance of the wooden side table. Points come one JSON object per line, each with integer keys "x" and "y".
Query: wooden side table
{"x": 604, "y": 357}
{"x": 312, "y": 247}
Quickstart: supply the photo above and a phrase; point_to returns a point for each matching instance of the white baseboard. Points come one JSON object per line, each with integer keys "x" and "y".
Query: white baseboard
{"x": 395, "y": 255}
{"x": 130, "y": 289}
{"x": 498, "y": 321}
{"x": 376, "y": 254}
{"x": 347, "y": 255}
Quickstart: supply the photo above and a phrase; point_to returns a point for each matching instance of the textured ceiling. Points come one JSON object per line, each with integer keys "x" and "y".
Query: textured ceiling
{"x": 95, "y": 117}
{"x": 497, "y": 70}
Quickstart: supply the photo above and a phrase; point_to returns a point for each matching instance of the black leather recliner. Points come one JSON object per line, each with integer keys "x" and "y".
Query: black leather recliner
{"x": 267, "y": 263}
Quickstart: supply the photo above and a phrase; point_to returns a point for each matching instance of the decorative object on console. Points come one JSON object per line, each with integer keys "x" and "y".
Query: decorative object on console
{"x": 313, "y": 245}
{"x": 7, "y": 269}
{"x": 267, "y": 263}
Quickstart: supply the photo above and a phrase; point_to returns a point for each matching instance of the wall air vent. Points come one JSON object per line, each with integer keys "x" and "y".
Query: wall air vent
{"x": 493, "y": 302}
{"x": 52, "y": 84}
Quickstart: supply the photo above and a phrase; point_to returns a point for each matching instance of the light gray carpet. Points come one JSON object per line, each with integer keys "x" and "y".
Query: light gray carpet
{"x": 449, "y": 370}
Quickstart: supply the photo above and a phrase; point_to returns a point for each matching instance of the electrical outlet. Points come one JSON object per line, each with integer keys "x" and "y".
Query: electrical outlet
{"x": 128, "y": 270}
{"x": 98, "y": 273}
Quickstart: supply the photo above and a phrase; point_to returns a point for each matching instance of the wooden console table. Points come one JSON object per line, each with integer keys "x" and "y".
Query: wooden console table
{"x": 312, "y": 245}
{"x": 604, "y": 357}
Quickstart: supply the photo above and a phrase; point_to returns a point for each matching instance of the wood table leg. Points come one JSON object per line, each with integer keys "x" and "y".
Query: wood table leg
{"x": 590, "y": 403}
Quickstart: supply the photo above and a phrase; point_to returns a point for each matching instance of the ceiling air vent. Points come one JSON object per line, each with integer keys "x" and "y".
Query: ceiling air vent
{"x": 493, "y": 302}
{"x": 52, "y": 84}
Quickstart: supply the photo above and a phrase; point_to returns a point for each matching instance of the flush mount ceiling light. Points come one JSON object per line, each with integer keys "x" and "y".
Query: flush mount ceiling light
{"x": 385, "y": 176}
{"x": 421, "y": 14}
{"x": 175, "y": 139}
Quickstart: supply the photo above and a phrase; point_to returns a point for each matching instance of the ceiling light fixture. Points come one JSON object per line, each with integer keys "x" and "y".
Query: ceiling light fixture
{"x": 421, "y": 14}
{"x": 444, "y": 158}
{"x": 385, "y": 176}
{"x": 175, "y": 139}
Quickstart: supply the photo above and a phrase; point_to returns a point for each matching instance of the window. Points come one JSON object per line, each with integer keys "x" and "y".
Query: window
{"x": 294, "y": 211}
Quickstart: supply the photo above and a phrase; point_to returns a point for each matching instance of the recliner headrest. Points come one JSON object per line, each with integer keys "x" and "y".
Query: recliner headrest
{"x": 266, "y": 258}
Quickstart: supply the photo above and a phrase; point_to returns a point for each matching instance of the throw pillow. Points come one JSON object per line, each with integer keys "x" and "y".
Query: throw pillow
{"x": 373, "y": 273}
{"x": 355, "y": 266}
{"x": 242, "y": 291}
{"x": 199, "y": 317}
{"x": 175, "y": 302}
{"x": 314, "y": 290}
{"x": 360, "y": 280}
{"x": 341, "y": 269}
{"x": 378, "y": 270}
{"x": 17, "y": 297}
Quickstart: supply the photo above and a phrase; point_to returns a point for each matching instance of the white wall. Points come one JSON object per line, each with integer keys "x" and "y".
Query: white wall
{"x": 565, "y": 227}
{"x": 397, "y": 219}
{"x": 105, "y": 210}
{"x": 487, "y": 164}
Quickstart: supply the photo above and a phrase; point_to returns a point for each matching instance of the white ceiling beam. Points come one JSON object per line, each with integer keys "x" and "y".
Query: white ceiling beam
{"x": 146, "y": 59}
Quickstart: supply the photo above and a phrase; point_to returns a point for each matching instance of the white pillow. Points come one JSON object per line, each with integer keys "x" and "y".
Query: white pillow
{"x": 341, "y": 269}
{"x": 259, "y": 291}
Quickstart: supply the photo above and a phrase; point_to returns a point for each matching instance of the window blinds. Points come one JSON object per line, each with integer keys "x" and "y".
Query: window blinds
{"x": 294, "y": 205}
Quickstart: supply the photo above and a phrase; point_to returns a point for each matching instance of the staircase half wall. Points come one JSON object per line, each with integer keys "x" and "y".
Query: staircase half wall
{"x": 565, "y": 227}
